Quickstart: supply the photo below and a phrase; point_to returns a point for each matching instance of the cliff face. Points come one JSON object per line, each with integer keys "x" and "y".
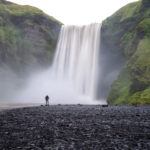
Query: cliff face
{"x": 27, "y": 42}
{"x": 126, "y": 37}
{"x": 27, "y": 36}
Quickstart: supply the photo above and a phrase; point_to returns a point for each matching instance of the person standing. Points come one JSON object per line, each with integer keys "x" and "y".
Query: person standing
{"x": 47, "y": 100}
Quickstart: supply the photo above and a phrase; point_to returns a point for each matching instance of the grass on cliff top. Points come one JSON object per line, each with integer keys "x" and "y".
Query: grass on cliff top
{"x": 23, "y": 10}
{"x": 113, "y": 23}
{"x": 130, "y": 10}
{"x": 127, "y": 11}
{"x": 19, "y": 10}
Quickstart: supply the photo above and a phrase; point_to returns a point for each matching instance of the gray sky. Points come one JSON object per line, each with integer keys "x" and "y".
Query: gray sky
{"x": 77, "y": 11}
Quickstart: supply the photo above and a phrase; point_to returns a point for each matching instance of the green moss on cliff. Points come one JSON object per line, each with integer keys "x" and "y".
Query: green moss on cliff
{"x": 8, "y": 35}
{"x": 141, "y": 98}
{"x": 128, "y": 11}
{"x": 27, "y": 37}
{"x": 127, "y": 43}
{"x": 130, "y": 28}
{"x": 120, "y": 89}
{"x": 23, "y": 10}
{"x": 144, "y": 27}
{"x": 19, "y": 10}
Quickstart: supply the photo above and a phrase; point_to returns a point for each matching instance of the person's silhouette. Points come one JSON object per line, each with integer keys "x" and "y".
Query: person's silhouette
{"x": 47, "y": 100}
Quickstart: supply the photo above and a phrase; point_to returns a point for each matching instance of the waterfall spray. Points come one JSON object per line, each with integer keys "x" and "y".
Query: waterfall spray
{"x": 73, "y": 76}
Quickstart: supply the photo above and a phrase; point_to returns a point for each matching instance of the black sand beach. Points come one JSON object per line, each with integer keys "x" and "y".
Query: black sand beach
{"x": 75, "y": 128}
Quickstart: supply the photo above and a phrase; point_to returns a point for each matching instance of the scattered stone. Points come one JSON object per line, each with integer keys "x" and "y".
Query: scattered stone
{"x": 104, "y": 105}
{"x": 65, "y": 127}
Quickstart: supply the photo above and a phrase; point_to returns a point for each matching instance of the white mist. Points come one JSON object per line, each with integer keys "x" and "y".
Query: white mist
{"x": 73, "y": 76}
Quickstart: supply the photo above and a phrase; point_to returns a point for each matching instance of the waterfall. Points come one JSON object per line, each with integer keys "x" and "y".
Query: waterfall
{"x": 73, "y": 76}
{"x": 77, "y": 57}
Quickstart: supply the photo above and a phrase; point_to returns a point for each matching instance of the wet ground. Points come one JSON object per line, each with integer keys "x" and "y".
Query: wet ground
{"x": 6, "y": 106}
{"x": 75, "y": 128}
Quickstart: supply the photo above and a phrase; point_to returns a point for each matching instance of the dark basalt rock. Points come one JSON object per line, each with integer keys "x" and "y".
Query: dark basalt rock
{"x": 104, "y": 105}
{"x": 75, "y": 128}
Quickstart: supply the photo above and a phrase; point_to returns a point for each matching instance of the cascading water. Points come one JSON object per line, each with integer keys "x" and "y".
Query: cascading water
{"x": 76, "y": 57}
{"x": 73, "y": 76}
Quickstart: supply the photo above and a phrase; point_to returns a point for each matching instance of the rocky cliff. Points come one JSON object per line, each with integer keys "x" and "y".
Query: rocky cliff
{"x": 126, "y": 41}
{"x": 27, "y": 36}
{"x": 27, "y": 42}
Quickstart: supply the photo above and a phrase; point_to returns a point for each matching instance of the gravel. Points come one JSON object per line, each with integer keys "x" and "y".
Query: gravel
{"x": 75, "y": 127}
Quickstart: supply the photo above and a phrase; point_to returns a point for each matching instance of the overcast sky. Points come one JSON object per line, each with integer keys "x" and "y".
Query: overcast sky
{"x": 77, "y": 11}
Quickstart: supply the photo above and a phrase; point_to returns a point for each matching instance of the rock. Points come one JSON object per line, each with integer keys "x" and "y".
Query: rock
{"x": 125, "y": 39}
{"x": 74, "y": 127}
